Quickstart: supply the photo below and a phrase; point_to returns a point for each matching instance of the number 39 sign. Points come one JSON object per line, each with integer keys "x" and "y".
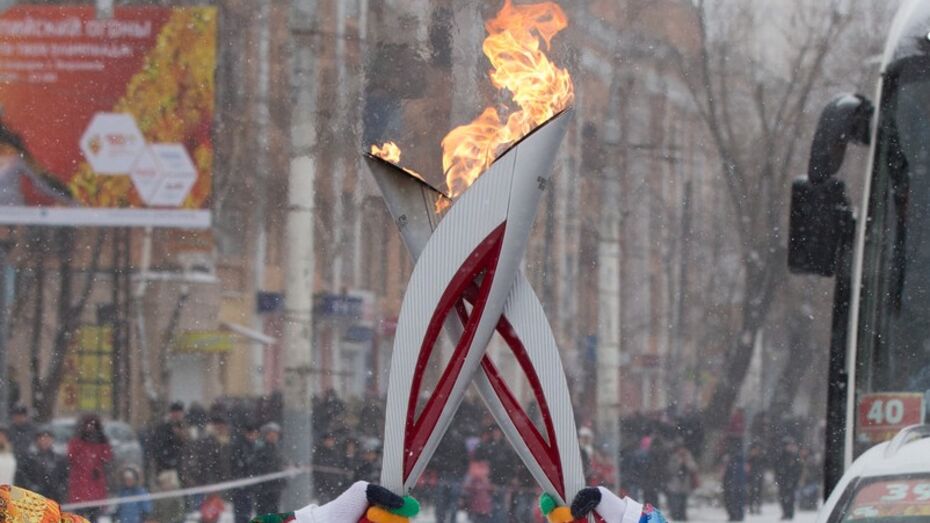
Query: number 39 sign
{"x": 903, "y": 498}
{"x": 881, "y": 416}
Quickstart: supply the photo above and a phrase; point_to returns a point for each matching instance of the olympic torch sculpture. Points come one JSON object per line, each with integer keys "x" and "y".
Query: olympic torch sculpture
{"x": 467, "y": 264}
{"x": 467, "y": 280}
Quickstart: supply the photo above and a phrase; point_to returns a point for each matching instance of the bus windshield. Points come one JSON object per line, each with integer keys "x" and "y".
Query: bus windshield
{"x": 888, "y": 500}
{"x": 894, "y": 340}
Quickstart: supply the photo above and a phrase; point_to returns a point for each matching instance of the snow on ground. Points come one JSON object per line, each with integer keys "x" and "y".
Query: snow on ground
{"x": 771, "y": 513}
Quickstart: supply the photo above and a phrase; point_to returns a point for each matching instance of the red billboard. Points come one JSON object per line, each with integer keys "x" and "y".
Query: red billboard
{"x": 107, "y": 121}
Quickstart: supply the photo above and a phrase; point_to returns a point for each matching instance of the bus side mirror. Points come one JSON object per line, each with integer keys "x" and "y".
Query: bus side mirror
{"x": 821, "y": 217}
{"x": 819, "y": 223}
{"x": 848, "y": 118}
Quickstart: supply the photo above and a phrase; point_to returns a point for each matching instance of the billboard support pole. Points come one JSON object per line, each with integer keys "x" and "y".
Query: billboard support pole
{"x": 609, "y": 300}
{"x": 5, "y": 290}
{"x": 298, "y": 307}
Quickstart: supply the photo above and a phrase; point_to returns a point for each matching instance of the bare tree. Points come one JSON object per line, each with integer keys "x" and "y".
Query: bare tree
{"x": 44, "y": 244}
{"x": 69, "y": 310}
{"x": 752, "y": 83}
{"x": 853, "y": 66}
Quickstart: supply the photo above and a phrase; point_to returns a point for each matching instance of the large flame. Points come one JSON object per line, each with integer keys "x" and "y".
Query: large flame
{"x": 518, "y": 37}
{"x": 537, "y": 86}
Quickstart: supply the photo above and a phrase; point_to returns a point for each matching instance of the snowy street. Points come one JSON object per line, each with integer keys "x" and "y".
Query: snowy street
{"x": 704, "y": 514}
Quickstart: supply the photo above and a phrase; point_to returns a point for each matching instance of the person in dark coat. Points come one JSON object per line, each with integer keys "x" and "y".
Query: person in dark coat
{"x": 328, "y": 461}
{"x": 632, "y": 461}
{"x": 369, "y": 468}
{"x": 197, "y": 419}
{"x": 734, "y": 480}
{"x": 811, "y": 479}
{"x": 523, "y": 497}
{"x": 270, "y": 459}
{"x": 42, "y": 470}
{"x": 351, "y": 458}
{"x": 329, "y": 414}
{"x": 787, "y": 476}
{"x": 167, "y": 445}
{"x": 654, "y": 473}
{"x": 215, "y": 451}
{"x": 89, "y": 453}
{"x": 502, "y": 462}
{"x": 191, "y": 471}
{"x": 451, "y": 461}
{"x": 245, "y": 464}
{"x": 756, "y": 463}
{"x": 682, "y": 473}
{"x": 22, "y": 431}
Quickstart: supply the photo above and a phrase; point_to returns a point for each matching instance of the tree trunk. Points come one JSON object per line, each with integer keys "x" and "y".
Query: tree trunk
{"x": 69, "y": 317}
{"x": 48, "y": 390}
{"x": 799, "y": 359}
{"x": 738, "y": 357}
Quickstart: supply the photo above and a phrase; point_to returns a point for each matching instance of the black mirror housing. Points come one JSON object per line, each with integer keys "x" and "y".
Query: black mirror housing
{"x": 819, "y": 222}
{"x": 848, "y": 118}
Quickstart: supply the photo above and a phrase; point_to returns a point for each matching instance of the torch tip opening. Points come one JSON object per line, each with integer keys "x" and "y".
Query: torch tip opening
{"x": 405, "y": 172}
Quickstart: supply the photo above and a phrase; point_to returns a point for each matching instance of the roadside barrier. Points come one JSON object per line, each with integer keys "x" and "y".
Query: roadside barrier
{"x": 193, "y": 491}
{"x": 247, "y": 482}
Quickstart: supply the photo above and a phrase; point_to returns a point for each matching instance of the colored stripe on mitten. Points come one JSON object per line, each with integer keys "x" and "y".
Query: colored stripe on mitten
{"x": 379, "y": 515}
{"x": 547, "y": 504}
{"x": 561, "y": 515}
{"x": 410, "y": 508}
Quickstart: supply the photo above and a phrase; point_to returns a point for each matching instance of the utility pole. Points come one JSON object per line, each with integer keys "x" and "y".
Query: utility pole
{"x": 298, "y": 335}
{"x": 263, "y": 119}
{"x": 608, "y": 297}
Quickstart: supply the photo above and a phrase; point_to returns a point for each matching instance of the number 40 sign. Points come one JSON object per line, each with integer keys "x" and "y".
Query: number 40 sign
{"x": 882, "y": 415}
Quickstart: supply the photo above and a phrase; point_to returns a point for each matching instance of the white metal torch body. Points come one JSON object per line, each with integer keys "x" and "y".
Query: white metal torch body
{"x": 484, "y": 233}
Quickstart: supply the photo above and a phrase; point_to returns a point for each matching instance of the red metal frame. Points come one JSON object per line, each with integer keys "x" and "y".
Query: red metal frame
{"x": 545, "y": 452}
{"x": 483, "y": 259}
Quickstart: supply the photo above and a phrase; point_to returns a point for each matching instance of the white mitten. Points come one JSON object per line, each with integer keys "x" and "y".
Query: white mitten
{"x": 618, "y": 510}
{"x": 349, "y": 507}
{"x": 610, "y": 507}
{"x": 355, "y": 502}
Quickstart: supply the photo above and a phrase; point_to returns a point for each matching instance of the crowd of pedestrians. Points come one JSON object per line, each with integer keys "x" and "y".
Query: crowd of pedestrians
{"x": 28, "y": 458}
{"x": 184, "y": 449}
{"x": 474, "y": 470}
{"x": 796, "y": 473}
{"x": 660, "y": 465}
{"x": 794, "y": 468}
{"x": 661, "y": 460}
{"x": 192, "y": 448}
